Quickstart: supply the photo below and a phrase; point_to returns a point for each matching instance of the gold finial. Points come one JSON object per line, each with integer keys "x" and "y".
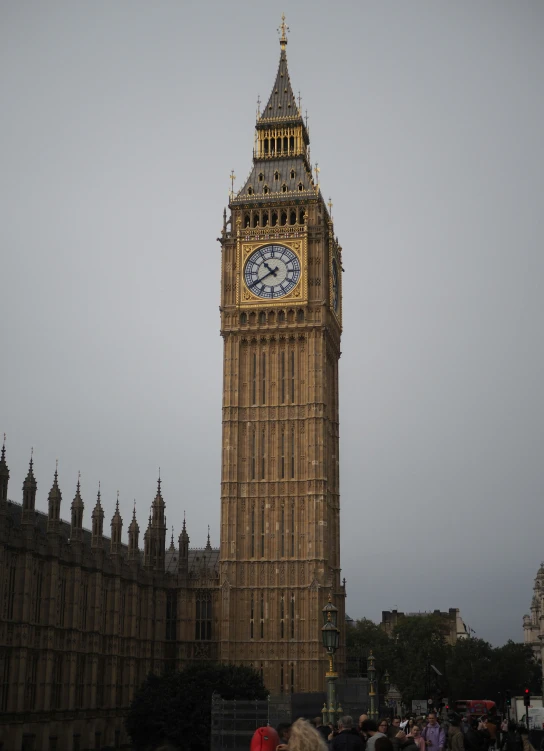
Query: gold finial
{"x": 330, "y": 205}
{"x": 317, "y": 171}
{"x": 232, "y": 179}
{"x": 283, "y": 29}
{"x": 299, "y": 100}
{"x": 258, "y": 105}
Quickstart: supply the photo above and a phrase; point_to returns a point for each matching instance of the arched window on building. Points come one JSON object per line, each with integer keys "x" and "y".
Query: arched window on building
{"x": 203, "y": 615}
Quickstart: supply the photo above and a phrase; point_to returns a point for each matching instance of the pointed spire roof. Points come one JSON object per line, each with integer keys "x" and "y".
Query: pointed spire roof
{"x": 172, "y": 546}
{"x": 54, "y": 493}
{"x": 4, "y": 471}
{"x": 281, "y": 104}
{"x": 208, "y": 544}
{"x": 78, "y": 501}
{"x": 133, "y": 527}
{"x": 98, "y": 510}
{"x": 158, "y": 498}
{"x": 184, "y": 535}
{"x": 30, "y": 480}
{"x": 116, "y": 518}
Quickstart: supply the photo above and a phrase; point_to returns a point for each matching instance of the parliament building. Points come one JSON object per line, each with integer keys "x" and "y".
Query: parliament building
{"x": 84, "y": 617}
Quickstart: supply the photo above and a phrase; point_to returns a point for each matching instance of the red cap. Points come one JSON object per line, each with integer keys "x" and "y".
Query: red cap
{"x": 264, "y": 739}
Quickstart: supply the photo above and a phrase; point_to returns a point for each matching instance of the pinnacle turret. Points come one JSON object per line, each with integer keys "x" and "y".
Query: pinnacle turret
{"x": 97, "y": 522}
{"x": 54, "y": 501}
{"x": 4, "y": 476}
{"x": 133, "y": 536}
{"x": 30, "y": 487}
{"x": 116, "y": 529}
{"x": 76, "y": 532}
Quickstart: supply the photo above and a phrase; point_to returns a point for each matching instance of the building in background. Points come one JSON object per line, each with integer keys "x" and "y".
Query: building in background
{"x": 533, "y": 625}
{"x": 454, "y": 627}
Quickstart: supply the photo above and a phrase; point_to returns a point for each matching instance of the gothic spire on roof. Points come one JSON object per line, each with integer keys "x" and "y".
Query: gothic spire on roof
{"x": 282, "y": 104}
{"x": 55, "y": 493}
{"x": 4, "y": 471}
{"x": 30, "y": 480}
{"x": 78, "y": 502}
{"x": 208, "y": 544}
{"x": 134, "y": 523}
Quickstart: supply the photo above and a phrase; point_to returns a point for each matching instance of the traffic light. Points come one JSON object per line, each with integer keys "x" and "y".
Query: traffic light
{"x": 527, "y": 697}
{"x": 508, "y": 698}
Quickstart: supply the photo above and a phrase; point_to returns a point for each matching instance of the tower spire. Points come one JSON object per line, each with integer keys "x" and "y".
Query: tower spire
{"x": 4, "y": 477}
{"x": 54, "y": 500}
{"x": 76, "y": 531}
{"x": 282, "y": 31}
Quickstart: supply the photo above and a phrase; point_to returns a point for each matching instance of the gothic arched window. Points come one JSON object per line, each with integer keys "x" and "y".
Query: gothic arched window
{"x": 203, "y": 615}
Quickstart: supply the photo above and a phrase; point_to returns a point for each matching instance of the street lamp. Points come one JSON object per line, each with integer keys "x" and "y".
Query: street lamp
{"x": 386, "y": 685}
{"x": 371, "y": 673}
{"x": 331, "y": 641}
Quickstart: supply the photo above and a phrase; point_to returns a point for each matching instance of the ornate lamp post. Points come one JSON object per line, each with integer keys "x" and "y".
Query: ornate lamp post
{"x": 371, "y": 672}
{"x": 386, "y": 685}
{"x": 331, "y": 640}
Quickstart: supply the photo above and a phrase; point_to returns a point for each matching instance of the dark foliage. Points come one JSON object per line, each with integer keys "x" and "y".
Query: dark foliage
{"x": 177, "y": 707}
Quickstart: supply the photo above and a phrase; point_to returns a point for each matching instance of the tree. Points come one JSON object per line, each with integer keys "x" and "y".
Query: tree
{"x": 177, "y": 707}
{"x": 471, "y": 670}
{"x": 361, "y": 637}
{"x": 417, "y": 643}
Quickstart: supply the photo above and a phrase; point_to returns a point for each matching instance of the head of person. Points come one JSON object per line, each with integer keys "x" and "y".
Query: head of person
{"x": 383, "y": 725}
{"x": 304, "y": 737}
{"x": 284, "y": 731}
{"x": 454, "y": 719}
{"x": 396, "y": 721}
{"x": 265, "y": 739}
{"x": 369, "y": 727}
{"x": 474, "y": 722}
{"x": 345, "y": 722}
{"x": 384, "y": 744}
{"x": 362, "y": 718}
{"x": 431, "y": 719}
{"x": 317, "y": 722}
{"x": 511, "y": 726}
{"x": 415, "y": 730}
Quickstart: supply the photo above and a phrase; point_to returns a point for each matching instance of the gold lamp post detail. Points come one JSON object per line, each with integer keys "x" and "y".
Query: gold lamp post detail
{"x": 331, "y": 641}
{"x": 371, "y": 673}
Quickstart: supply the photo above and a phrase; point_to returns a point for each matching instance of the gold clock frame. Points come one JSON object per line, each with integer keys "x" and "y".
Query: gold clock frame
{"x": 249, "y": 240}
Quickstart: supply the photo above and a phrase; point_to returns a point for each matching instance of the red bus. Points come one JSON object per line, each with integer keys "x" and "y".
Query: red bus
{"x": 475, "y": 707}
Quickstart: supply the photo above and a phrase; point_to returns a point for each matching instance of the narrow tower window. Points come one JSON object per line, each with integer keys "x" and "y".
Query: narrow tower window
{"x": 247, "y": 220}
{"x": 282, "y": 616}
{"x": 265, "y": 219}
{"x": 263, "y": 453}
{"x": 292, "y": 174}
{"x": 253, "y": 532}
{"x": 283, "y": 533}
{"x": 301, "y": 216}
{"x": 263, "y": 378}
{"x": 283, "y": 218}
{"x": 274, "y": 218}
{"x": 282, "y": 369}
{"x": 293, "y": 531}
{"x": 282, "y": 463}
{"x": 292, "y": 377}
{"x": 293, "y": 217}
{"x": 262, "y": 532}
{"x": 254, "y": 379}
{"x": 251, "y": 617}
{"x": 292, "y": 616}
{"x": 292, "y": 678}
{"x": 292, "y": 144}
{"x": 282, "y": 678}
{"x": 292, "y": 453}
{"x": 253, "y": 448}
{"x": 262, "y": 616}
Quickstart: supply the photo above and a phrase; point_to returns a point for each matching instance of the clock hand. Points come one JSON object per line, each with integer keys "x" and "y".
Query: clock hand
{"x": 272, "y": 271}
{"x": 268, "y": 267}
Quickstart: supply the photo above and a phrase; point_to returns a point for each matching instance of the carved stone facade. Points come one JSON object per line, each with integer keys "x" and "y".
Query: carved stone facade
{"x": 84, "y": 618}
{"x": 281, "y": 324}
{"x": 533, "y": 625}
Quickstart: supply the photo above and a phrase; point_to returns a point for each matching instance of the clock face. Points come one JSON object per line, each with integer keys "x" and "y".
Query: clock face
{"x": 272, "y": 271}
{"x": 335, "y": 295}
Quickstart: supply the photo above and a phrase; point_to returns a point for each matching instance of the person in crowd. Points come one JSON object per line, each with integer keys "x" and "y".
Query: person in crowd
{"x": 284, "y": 732}
{"x": 474, "y": 739}
{"x": 373, "y": 732}
{"x": 456, "y": 738}
{"x": 383, "y": 743}
{"x": 493, "y": 727}
{"x": 415, "y": 733}
{"x": 265, "y": 739}
{"x": 483, "y": 732}
{"x": 323, "y": 730}
{"x": 346, "y": 740}
{"x": 304, "y": 737}
{"x": 410, "y": 722}
{"x": 512, "y": 739}
{"x": 395, "y": 725}
{"x": 433, "y": 735}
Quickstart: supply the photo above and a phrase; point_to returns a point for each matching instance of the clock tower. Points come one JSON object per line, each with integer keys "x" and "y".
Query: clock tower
{"x": 281, "y": 321}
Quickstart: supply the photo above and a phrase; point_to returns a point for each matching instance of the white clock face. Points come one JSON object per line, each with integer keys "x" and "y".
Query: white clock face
{"x": 272, "y": 271}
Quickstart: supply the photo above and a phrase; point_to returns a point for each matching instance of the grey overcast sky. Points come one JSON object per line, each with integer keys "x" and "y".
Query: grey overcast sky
{"x": 120, "y": 124}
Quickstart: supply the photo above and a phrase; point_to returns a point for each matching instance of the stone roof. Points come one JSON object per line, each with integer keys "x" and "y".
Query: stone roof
{"x": 267, "y": 168}
{"x": 281, "y": 104}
